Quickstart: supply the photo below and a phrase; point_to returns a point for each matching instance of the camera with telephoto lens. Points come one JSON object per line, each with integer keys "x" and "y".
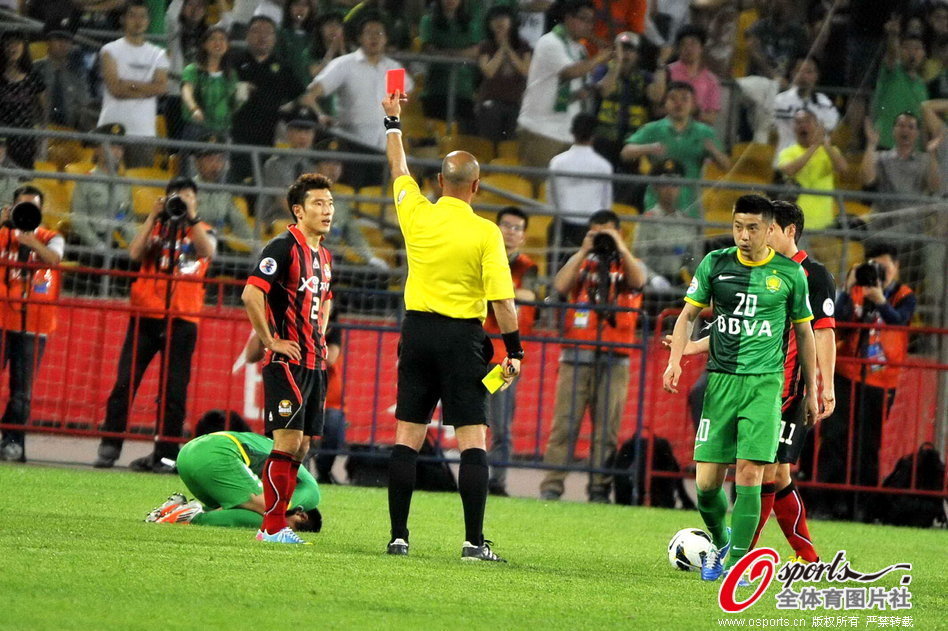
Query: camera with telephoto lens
{"x": 870, "y": 274}
{"x": 176, "y": 208}
{"x": 604, "y": 246}
{"x": 25, "y": 216}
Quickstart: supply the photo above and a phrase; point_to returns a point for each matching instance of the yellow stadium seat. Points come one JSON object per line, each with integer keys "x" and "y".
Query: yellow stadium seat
{"x": 149, "y": 173}
{"x": 505, "y": 182}
{"x": 513, "y": 161}
{"x": 482, "y": 148}
{"x": 381, "y": 246}
{"x": 144, "y": 198}
{"x": 741, "y": 55}
{"x": 850, "y": 179}
{"x": 342, "y": 189}
{"x": 38, "y": 50}
{"x": 78, "y": 168}
{"x": 43, "y": 165}
{"x": 508, "y": 149}
{"x": 279, "y": 226}
{"x": 625, "y": 210}
{"x": 55, "y": 201}
{"x": 753, "y": 160}
{"x": 858, "y": 209}
{"x": 161, "y": 126}
{"x": 62, "y": 151}
{"x": 379, "y": 210}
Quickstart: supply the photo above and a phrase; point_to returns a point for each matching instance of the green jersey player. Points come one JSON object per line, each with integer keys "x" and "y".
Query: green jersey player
{"x": 754, "y": 291}
{"x": 222, "y": 471}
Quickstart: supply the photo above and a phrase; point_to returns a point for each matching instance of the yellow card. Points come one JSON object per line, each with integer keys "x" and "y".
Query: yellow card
{"x": 494, "y": 379}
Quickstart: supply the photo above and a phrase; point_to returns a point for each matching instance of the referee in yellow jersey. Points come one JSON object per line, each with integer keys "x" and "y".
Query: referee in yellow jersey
{"x": 456, "y": 265}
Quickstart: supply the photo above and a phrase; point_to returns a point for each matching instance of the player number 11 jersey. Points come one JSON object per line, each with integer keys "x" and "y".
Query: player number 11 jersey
{"x": 752, "y": 303}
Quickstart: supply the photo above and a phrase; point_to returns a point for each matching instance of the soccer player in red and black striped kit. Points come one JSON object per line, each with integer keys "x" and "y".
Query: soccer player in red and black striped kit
{"x": 288, "y": 301}
{"x": 778, "y": 492}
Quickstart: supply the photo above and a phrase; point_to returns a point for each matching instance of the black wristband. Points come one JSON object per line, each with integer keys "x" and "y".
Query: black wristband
{"x": 392, "y": 122}
{"x": 512, "y": 344}
{"x": 195, "y": 221}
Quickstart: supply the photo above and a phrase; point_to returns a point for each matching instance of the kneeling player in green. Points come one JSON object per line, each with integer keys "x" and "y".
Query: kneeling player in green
{"x": 753, "y": 291}
{"x": 222, "y": 471}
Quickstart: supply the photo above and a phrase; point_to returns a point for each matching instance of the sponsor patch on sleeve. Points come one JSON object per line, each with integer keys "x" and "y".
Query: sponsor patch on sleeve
{"x": 268, "y": 266}
{"x": 693, "y": 287}
{"x": 829, "y": 307}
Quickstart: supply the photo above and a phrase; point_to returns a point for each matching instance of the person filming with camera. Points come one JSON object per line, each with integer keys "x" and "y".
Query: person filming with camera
{"x": 25, "y": 325}
{"x": 174, "y": 249}
{"x": 865, "y": 388}
{"x": 603, "y": 283}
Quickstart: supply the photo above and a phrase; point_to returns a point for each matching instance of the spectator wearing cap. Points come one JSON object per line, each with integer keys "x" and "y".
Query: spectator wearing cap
{"x": 812, "y": 161}
{"x": 100, "y": 208}
{"x": 576, "y": 199}
{"x": 802, "y": 94}
{"x": 452, "y": 28}
{"x": 21, "y": 96}
{"x": 627, "y": 96}
{"x": 135, "y": 74}
{"x": 679, "y": 137}
{"x": 557, "y": 85}
{"x": 345, "y": 239}
{"x": 690, "y": 68}
{"x": 504, "y": 60}
{"x": 667, "y": 244}
{"x": 209, "y": 88}
{"x": 67, "y": 91}
{"x": 8, "y": 183}
{"x": 271, "y": 85}
{"x": 358, "y": 82}
{"x": 280, "y": 171}
{"x": 218, "y": 209}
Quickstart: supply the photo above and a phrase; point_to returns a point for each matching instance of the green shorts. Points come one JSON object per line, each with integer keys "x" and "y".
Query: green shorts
{"x": 740, "y": 418}
{"x": 215, "y": 472}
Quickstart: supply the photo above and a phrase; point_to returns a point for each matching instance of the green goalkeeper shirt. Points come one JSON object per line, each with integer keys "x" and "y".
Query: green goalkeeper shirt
{"x": 752, "y": 302}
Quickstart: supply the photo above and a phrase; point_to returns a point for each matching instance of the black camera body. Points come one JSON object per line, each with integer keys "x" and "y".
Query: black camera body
{"x": 604, "y": 246}
{"x": 870, "y": 274}
{"x": 176, "y": 208}
{"x": 25, "y": 216}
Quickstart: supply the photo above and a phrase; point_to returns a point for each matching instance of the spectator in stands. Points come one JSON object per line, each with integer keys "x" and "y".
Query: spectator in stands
{"x": 163, "y": 245}
{"x": 451, "y": 28}
{"x": 501, "y": 405}
{"x": 25, "y": 327}
{"x": 134, "y": 74}
{"x": 296, "y": 37}
{"x": 934, "y": 112}
{"x": 936, "y": 37}
{"x": 209, "y": 88}
{"x": 8, "y": 183}
{"x": 67, "y": 91}
{"x": 99, "y": 209}
{"x": 802, "y": 94}
{"x": 902, "y": 169}
{"x": 504, "y": 61}
{"x": 627, "y": 96}
{"x": 865, "y": 392}
{"x": 690, "y": 68}
{"x": 619, "y": 16}
{"x": 345, "y": 236}
{"x": 775, "y": 40}
{"x": 329, "y": 42}
{"x": 576, "y": 199}
{"x": 681, "y": 138}
{"x": 556, "y": 85}
{"x": 603, "y": 273}
{"x": 282, "y": 170}
{"x": 531, "y": 16}
{"x": 272, "y": 9}
{"x": 400, "y": 16}
{"x": 938, "y": 84}
{"x": 218, "y": 209}
{"x": 900, "y": 87}
{"x": 271, "y": 86}
{"x": 668, "y": 245}
{"x": 185, "y": 27}
{"x": 22, "y": 94}
{"x": 813, "y": 163}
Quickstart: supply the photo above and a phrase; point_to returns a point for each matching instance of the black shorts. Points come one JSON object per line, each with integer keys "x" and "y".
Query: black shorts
{"x": 793, "y": 430}
{"x": 441, "y": 358}
{"x": 294, "y": 397}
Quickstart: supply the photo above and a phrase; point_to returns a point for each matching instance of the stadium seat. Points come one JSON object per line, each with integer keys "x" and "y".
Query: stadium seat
{"x": 144, "y": 198}
{"x": 753, "y": 160}
{"x": 858, "y": 209}
{"x": 77, "y": 168}
{"x": 161, "y": 126}
{"x": 505, "y": 182}
{"x": 512, "y": 161}
{"x": 278, "y": 226}
{"x": 38, "y": 50}
{"x": 625, "y": 210}
{"x": 482, "y": 148}
{"x": 62, "y": 151}
{"x": 508, "y": 149}
{"x": 55, "y": 201}
{"x": 43, "y": 165}
{"x": 376, "y": 209}
{"x": 380, "y": 245}
{"x": 741, "y": 57}
{"x": 850, "y": 179}
{"x": 342, "y": 189}
{"x": 149, "y": 173}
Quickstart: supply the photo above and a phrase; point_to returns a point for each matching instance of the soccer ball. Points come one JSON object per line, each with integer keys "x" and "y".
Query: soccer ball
{"x": 687, "y": 549}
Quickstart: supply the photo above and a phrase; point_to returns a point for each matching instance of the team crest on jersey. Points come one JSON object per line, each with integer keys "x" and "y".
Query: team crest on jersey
{"x": 268, "y": 266}
{"x": 772, "y": 283}
{"x": 327, "y": 272}
{"x": 285, "y": 408}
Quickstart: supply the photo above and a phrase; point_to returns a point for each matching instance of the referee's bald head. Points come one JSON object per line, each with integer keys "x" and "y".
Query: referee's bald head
{"x": 459, "y": 168}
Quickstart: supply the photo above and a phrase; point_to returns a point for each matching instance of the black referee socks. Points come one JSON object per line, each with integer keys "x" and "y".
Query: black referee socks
{"x": 472, "y": 484}
{"x": 401, "y": 484}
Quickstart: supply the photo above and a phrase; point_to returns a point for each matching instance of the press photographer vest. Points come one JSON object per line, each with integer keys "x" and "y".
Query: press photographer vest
{"x": 526, "y": 314}
{"x": 187, "y": 288}
{"x": 583, "y": 322}
{"x": 880, "y": 344}
{"x": 42, "y": 291}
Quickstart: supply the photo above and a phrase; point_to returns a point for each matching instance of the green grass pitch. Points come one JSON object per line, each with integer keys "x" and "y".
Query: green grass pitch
{"x": 75, "y": 554}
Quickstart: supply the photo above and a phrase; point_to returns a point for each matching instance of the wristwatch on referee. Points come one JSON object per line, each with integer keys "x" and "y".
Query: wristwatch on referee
{"x": 392, "y": 122}
{"x": 512, "y": 344}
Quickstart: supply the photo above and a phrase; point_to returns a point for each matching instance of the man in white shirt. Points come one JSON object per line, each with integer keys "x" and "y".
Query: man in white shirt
{"x": 135, "y": 74}
{"x": 358, "y": 80}
{"x": 802, "y": 96}
{"x": 556, "y": 85}
{"x": 577, "y": 198}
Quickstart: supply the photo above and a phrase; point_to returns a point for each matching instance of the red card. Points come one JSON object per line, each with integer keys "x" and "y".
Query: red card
{"x": 395, "y": 81}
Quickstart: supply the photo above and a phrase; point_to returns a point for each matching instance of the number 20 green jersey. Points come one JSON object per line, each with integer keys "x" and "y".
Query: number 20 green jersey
{"x": 752, "y": 301}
